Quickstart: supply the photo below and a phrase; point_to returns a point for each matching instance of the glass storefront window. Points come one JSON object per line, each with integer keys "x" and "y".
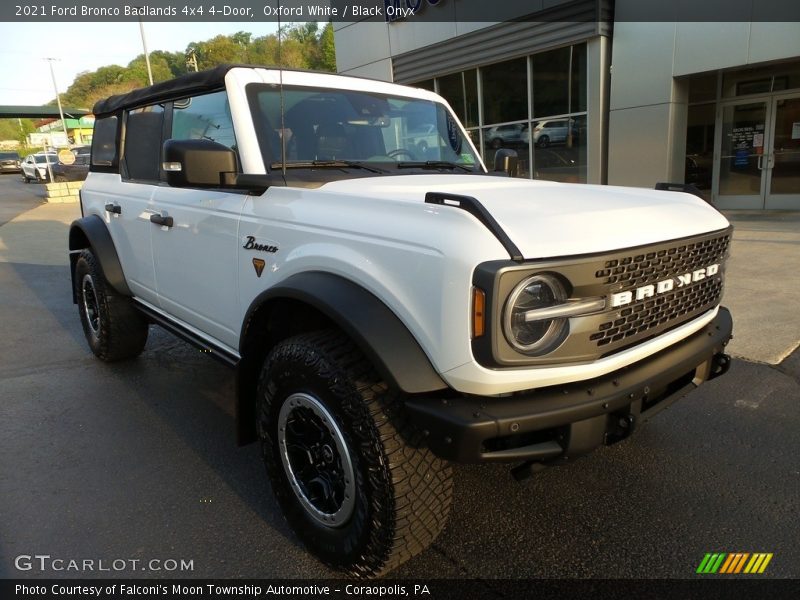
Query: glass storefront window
{"x": 514, "y": 136}
{"x": 702, "y": 88}
{"x": 741, "y": 156}
{"x": 700, "y": 145}
{"x": 551, "y": 82}
{"x": 461, "y": 91}
{"x": 578, "y": 91}
{"x": 559, "y": 152}
{"x": 559, "y": 88}
{"x": 761, "y": 80}
{"x": 505, "y": 91}
{"x": 786, "y": 172}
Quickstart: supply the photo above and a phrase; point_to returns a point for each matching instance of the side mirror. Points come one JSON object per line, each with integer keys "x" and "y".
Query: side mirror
{"x": 506, "y": 160}
{"x": 689, "y": 188}
{"x": 197, "y": 163}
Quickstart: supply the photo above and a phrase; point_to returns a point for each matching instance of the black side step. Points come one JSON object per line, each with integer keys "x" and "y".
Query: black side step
{"x": 224, "y": 356}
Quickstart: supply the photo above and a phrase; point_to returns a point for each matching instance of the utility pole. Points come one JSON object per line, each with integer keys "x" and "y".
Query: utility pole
{"x": 58, "y": 98}
{"x": 191, "y": 59}
{"x": 146, "y": 53}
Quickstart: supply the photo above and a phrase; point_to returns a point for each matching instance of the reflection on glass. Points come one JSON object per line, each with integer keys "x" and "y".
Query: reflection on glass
{"x": 329, "y": 125}
{"x": 505, "y": 91}
{"x": 519, "y": 143}
{"x": 578, "y": 91}
{"x": 760, "y": 80}
{"x": 700, "y": 145}
{"x": 563, "y": 160}
{"x": 550, "y": 82}
{"x": 786, "y": 169}
{"x": 742, "y": 160}
{"x": 461, "y": 91}
{"x": 703, "y": 88}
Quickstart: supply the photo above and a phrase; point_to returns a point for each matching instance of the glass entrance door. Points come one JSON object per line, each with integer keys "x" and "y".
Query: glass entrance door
{"x": 783, "y": 159}
{"x": 740, "y": 180}
{"x": 758, "y": 146}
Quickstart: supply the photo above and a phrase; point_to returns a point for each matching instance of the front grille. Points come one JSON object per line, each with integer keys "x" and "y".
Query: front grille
{"x": 649, "y": 267}
{"x": 654, "y": 315}
{"x": 647, "y": 314}
{"x": 665, "y": 311}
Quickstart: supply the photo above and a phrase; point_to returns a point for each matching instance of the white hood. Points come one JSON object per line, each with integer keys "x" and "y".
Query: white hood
{"x": 547, "y": 219}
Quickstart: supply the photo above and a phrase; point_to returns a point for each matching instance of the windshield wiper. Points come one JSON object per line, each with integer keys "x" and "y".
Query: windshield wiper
{"x": 325, "y": 164}
{"x": 432, "y": 164}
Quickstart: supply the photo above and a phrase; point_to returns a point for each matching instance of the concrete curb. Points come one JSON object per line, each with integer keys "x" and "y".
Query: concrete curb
{"x": 63, "y": 192}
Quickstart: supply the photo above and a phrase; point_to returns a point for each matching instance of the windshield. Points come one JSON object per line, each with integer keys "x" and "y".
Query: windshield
{"x": 41, "y": 158}
{"x": 359, "y": 127}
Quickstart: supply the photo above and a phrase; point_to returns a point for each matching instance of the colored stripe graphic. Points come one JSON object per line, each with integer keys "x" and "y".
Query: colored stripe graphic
{"x": 703, "y": 563}
{"x": 730, "y": 564}
{"x": 711, "y": 563}
{"x": 727, "y": 564}
{"x": 734, "y": 563}
{"x": 740, "y": 563}
{"x": 764, "y": 564}
{"x": 755, "y": 562}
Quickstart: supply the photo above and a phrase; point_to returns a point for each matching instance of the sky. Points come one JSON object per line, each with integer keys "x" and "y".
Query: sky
{"x": 25, "y": 77}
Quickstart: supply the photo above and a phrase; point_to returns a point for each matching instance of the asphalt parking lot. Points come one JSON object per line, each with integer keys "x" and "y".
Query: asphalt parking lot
{"x": 138, "y": 461}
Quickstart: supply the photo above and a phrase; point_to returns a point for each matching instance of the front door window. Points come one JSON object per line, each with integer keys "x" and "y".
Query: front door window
{"x": 785, "y": 159}
{"x": 759, "y": 154}
{"x": 742, "y": 155}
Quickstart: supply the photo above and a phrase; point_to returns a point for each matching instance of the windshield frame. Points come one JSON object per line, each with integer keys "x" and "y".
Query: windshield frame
{"x": 273, "y": 163}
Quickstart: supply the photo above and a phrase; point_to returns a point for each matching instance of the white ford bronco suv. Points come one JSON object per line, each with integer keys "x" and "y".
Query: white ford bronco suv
{"x": 389, "y": 306}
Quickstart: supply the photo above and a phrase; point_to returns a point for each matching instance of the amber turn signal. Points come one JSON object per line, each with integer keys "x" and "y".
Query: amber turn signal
{"x": 478, "y": 312}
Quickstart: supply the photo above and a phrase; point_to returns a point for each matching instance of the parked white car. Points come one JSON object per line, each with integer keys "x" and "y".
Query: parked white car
{"x": 34, "y": 167}
{"x": 387, "y": 313}
{"x": 550, "y": 132}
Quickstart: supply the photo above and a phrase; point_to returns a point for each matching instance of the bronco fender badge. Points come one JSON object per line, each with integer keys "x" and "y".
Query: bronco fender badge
{"x": 251, "y": 244}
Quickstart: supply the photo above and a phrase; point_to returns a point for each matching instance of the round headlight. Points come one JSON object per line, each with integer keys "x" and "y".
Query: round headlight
{"x": 532, "y": 337}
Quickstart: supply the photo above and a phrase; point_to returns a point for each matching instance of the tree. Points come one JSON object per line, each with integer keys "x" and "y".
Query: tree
{"x": 327, "y": 50}
{"x": 305, "y": 46}
{"x": 16, "y": 129}
{"x": 137, "y": 70}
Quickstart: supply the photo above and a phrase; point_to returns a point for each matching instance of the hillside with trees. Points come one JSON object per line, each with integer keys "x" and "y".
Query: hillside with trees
{"x": 303, "y": 46}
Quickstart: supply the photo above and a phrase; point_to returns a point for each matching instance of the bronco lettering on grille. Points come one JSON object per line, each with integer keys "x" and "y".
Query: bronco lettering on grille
{"x": 661, "y": 287}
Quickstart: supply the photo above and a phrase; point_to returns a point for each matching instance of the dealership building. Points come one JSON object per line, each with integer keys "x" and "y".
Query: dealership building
{"x": 591, "y": 91}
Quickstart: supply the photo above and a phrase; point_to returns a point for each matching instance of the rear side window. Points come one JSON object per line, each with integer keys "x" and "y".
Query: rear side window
{"x": 206, "y": 117}
{"x": 142, "y": 156}
{"x": 104, "y": 142}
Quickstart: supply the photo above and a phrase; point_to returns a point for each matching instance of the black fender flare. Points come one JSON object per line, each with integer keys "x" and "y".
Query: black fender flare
{"x": 373, "y": 326}
{"x": 94, "y": 230}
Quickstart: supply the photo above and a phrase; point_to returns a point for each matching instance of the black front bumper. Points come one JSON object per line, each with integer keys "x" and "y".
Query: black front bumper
{"x": 560, "y": 422}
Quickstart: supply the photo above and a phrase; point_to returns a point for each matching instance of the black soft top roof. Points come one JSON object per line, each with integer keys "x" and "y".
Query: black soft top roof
{"x": 191, "y": 83}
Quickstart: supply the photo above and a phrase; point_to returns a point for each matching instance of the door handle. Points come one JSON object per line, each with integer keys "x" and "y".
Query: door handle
{"x": 114, "y": 208}
{"x": 760, "y": 162}
{"x": 161, "y": 220}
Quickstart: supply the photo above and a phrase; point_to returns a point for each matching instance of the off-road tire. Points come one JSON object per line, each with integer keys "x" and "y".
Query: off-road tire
{"x": 115, "y": 330}
{"x": 403, "y": 491}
